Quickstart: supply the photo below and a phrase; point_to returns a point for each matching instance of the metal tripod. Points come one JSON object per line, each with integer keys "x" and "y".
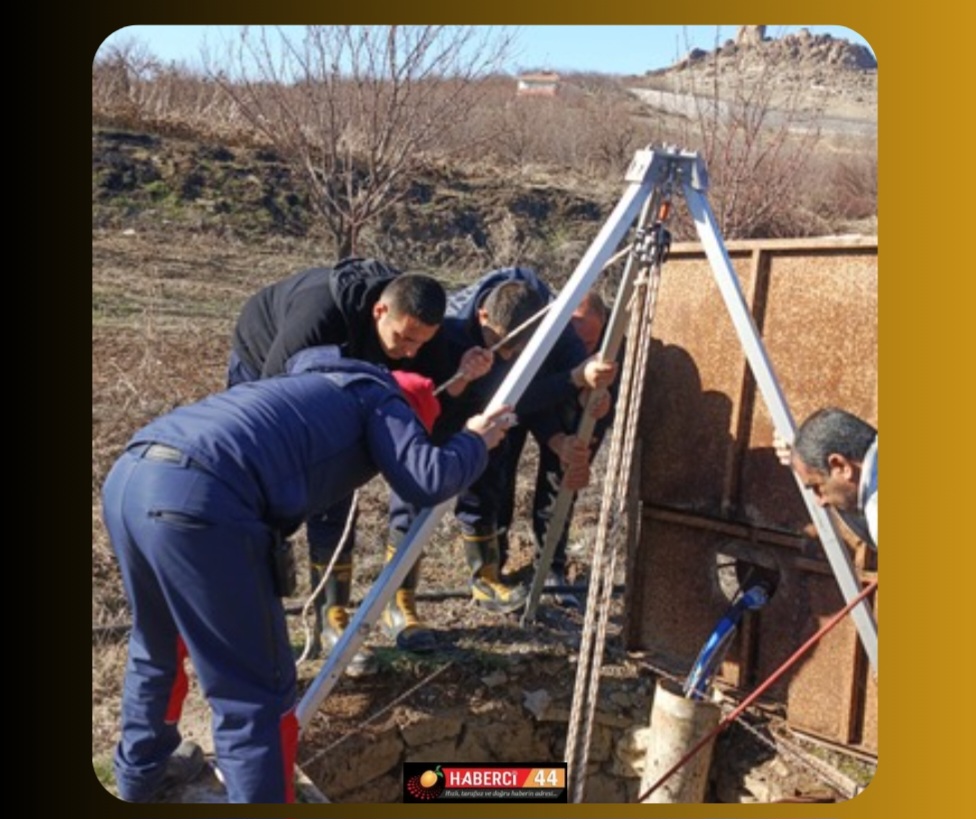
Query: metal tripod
{"x": 648, "y": 172}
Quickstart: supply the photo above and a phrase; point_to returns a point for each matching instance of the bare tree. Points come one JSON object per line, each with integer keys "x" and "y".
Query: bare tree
{"x": 118, "y": 73}
{"x": 356, "y": 109}
{"x": 756, "y": 125}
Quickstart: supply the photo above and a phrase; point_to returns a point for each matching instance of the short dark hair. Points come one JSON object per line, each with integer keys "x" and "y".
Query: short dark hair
{"x": 832, "y": 430}
{"x": 510, "y": 305}
{"x": 416, "y": 295}
{"x": 593, "y": 302}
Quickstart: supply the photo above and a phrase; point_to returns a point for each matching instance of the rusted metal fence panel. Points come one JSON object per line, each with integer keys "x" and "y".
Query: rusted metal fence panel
{"x": 716, "y": 504}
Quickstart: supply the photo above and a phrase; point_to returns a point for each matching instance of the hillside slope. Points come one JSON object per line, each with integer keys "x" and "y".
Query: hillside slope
{"x": 835, "y": 77}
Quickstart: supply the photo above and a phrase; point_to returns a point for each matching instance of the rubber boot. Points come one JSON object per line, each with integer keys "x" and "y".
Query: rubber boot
{"x": 332, "y": 616}
{"x": 556, "y": 577}
{"x": 487, "y": 589}
{"x": 400, "y": 618}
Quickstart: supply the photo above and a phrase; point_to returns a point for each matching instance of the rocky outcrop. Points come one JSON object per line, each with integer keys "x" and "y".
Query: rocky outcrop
{"x": 750, "y": 36}
{"x": 818, "y": 72}
{"x": 803, "y": 48}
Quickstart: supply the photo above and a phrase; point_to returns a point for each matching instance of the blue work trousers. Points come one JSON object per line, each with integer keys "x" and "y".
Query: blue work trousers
{"x": 196, "y": 567}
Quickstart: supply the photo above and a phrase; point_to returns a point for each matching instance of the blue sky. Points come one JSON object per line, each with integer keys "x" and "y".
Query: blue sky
{"x": 605, "y": 49}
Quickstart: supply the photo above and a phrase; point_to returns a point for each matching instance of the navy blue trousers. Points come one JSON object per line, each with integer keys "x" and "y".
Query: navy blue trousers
{"x": 195, "y": 564}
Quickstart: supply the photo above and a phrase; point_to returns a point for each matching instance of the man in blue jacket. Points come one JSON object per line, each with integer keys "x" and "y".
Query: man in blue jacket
{"x": 560, "y": 459}
{"x": 480, "y": 316}
{"x": 370, "y": 311}
{"x": 198, "y": 509}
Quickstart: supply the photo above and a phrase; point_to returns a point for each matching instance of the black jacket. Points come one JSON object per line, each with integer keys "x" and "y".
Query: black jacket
{"x": 314, "y": 307}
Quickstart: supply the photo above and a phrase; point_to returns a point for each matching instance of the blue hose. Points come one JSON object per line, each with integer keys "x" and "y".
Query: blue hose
{"x": 713, "y": 652}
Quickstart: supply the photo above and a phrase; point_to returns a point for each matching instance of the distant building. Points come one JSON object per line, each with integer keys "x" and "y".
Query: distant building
{"x": 542, "y": 83}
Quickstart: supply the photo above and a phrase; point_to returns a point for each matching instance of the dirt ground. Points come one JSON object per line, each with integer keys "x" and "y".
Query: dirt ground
{"x": 163, "y": 306}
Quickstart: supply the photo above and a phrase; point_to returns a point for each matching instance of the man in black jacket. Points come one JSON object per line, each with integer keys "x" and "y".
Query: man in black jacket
{"x": 371, "y": 312}
{"x": 367, "y": 308}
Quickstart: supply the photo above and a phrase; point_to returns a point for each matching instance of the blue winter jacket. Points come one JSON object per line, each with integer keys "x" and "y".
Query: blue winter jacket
{"x": 294, "y": 445}
{"x": 552, "y": 385}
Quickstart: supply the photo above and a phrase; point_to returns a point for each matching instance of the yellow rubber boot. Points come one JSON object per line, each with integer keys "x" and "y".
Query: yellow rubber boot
{"x": 332, "y": 616}
{"x": 400, "y": 618}
{"x": 487, "y": 588}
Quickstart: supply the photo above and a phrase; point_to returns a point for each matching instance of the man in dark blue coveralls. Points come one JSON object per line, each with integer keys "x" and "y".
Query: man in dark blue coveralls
{"x": 198, "y": 507}
{"x": 479, "y": 316}
{"x": 553, "y": 424}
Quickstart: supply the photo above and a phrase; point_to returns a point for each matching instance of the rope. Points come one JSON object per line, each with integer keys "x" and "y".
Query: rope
{"x": 611, "y": 516}
{"x": 652, "y": 247}
{"x": 310, "y": 601}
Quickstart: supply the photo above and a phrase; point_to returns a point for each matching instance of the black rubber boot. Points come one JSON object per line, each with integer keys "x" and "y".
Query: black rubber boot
{"x": 400, "y": 618}
{"x": 487, "y": 588}
{"x": 332, "y": 616}
{"x": 184, "y": 765}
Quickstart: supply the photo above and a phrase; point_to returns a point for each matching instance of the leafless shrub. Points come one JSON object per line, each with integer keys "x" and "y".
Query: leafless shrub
{"x": 360, "y": 135}
{"x": 356, "y": 108}
{"x": 854, "y": 185}
{"x": 757, "y": 129}
{"x": 132, "y": 89}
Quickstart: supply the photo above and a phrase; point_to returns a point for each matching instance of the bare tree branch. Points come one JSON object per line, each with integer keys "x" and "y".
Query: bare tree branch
{"x": 356, "y": 109}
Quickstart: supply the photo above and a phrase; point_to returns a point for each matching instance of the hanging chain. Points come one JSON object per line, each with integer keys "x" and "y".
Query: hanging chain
{"x": 650, "y": 249}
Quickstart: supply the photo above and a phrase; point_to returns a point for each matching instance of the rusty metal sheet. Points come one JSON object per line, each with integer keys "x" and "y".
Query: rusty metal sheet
{"x": 707, "y": 453}
{"x": 675, "y": 600}
{"x": 820, "y": 332}
{"x": 694, "y": 371}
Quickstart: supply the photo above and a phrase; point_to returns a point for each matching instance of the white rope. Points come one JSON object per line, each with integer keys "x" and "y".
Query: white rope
{"x": 310, "y": 601}
{"x": 611, "y": 517}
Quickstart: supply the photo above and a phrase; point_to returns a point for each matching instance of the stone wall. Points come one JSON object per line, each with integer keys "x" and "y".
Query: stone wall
{"x": 513, "y": 725}
{"x": 516, "y": 725}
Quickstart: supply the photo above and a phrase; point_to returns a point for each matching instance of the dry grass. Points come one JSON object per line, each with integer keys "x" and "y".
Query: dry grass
{"x": 164, "y": 305}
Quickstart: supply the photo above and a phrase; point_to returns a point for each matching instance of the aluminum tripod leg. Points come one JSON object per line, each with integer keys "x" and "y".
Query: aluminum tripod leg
{"x": 640, "y": 176}
{"x": 557, "y": 523}
{"x": 752, "y": 345}
{"x": 369, "y": 611}
{"x": 612, "y": 339}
